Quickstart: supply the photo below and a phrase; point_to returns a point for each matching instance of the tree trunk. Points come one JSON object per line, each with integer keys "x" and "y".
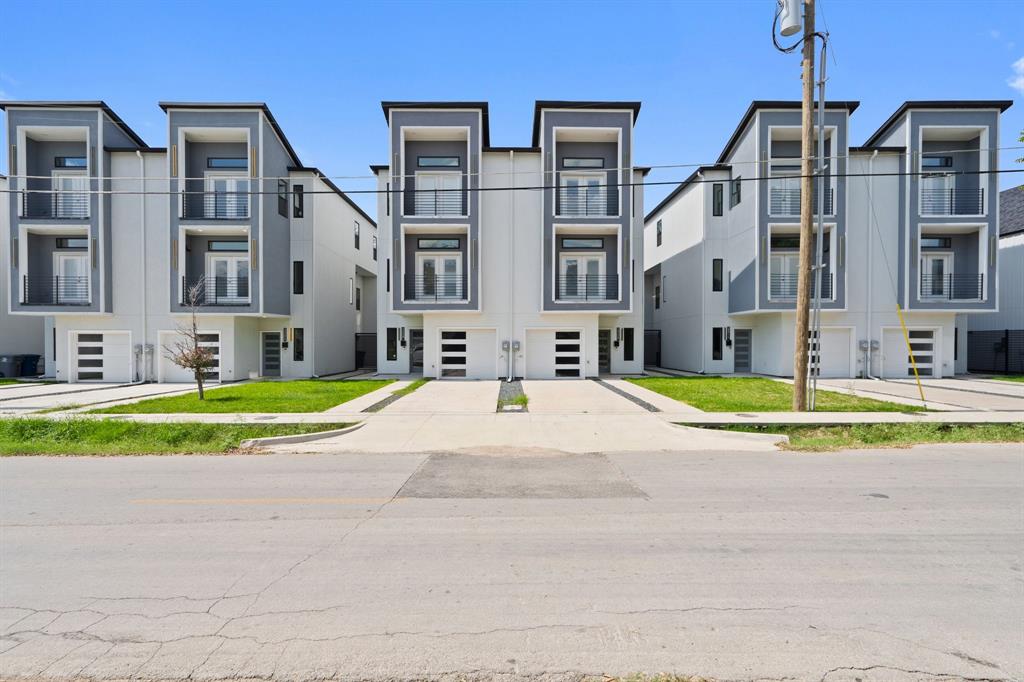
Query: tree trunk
{"x": 199, "y": 383}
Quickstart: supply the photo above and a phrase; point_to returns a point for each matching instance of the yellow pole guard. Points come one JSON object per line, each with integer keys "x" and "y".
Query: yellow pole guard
{"x": 913, "y": 362}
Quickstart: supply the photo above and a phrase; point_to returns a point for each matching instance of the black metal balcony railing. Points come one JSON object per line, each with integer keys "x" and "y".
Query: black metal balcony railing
{"x": 785, "y": 286}
{"x": 55, "y": 290}
{"x": 211, "y": 291}
{"x": 439, "y": 202}
{"x": 786, "y": 201}
{"x": 48, "y": 204}
{"x": 952, "y": 201}
{"x": 435, "y": 287}
{"x": 586, "y": 201}
{"x": 953, "y": 287}
{"x": 215, "y": 205}
{"x": 587, "y": 288}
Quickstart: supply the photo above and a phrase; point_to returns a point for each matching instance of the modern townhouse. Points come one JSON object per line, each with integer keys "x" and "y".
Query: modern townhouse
{"x": 18, "y": 336}
{"x": 910, "y": 219}
{"x": 117, "y": 242}
{"x": 483, "y": 280}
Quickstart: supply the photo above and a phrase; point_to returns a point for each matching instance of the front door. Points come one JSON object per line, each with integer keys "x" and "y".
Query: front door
{"x": 71, "y": 284}
{"x": 271, "y": 356}
{"x": 936, "y": 269}
{"x": 581, "y": 276}
{"x": 415, "y": 351}
{"x": 227, "y": 279}
{"x": 741, "y": 350}
{"x": 604, "y": 351}
{"x": 439, "y": 276}
{"x": 71, "y": 196}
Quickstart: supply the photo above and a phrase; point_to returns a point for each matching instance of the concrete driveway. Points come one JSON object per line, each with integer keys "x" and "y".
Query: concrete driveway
{"x": 449, "y": 397}
{"x": 22, "y": 400}
{"x": 940, "y": 394}
{"x": 833, "y": 566}
{"x": 576, "y": 397}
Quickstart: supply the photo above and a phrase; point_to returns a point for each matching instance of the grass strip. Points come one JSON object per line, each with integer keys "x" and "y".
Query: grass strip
{"x": 28, "y": 436}
{"x": 756, "y": 394}
{"x": 1010, "y": 377}
{"x": 818, "y": 438}
{"x": 410, "y": 388}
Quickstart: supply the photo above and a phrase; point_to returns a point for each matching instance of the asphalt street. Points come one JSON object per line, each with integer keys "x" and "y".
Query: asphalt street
{"x": 872, "y": 565}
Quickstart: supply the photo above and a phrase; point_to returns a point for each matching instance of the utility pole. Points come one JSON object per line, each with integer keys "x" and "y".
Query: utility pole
{"x": 803, "y": 291}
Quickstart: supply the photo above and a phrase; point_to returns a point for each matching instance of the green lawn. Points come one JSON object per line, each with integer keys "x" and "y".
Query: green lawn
{"x": 410, "y": 388}
{"x": 1010, "y": 377}
{"x": 755, "y": 394}
{"x": 7, "y": 380}
{"x": 116, "y": 437}
{"x": 817, "y": 438}
{"x": 305, "y": 395}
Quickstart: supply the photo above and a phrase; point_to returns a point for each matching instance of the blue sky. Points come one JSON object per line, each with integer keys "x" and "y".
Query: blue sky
{"x": 324, "y": 67}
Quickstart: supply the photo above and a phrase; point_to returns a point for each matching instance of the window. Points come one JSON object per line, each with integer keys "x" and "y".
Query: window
{"x": 282, "y": 198}
{"x": 297, "y": 277}
{"x": 577, "y": 162}
{"x": 298, "y": 344}
{"x": 582, "y": 276}
{"x": 785, "y": 241}
{"x": 69, "y": 162}
{"x": 716, "y": 274}
{"x": 664, "y": 289}
{"x": 375, "y": 247}
{"x": 936, "y": 162}
{"x": 716, "y": 343}
{"x": 658, "y": 228}
{"x": 222, "y": 162}
{"x": 359, "y": 298}
{"x": 657, "y": 296}
{"x": 298, "y": 201}
{"x": 936, "y": 242}
{"x": 437, "y": 162}
{"x": 583, "y": 194}
{"x": 351, "y": 291}
{"x": 226, "y": 245}
{"x": 355, "y": 234}
{"x": 627, "y": 344}
{"x": 717, "y": 199}
{"x": 72, "y": 242}
{"x": 226, "y": 196}
{"x": 595, "y": 243}
{"x": 227, "y": 279}
{"x": 444, "y": 244}
{"x": 438, "y": 193}
{"x": 735, "y": 192}
{"x": 392, "y": 343}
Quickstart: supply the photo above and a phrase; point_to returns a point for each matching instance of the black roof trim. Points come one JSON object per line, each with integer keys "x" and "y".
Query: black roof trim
{"x": 528, "y": 150}
{"x": 327, "y": 181}
{"x": 67, "y": 104}
{"x": 684, "y": 184}
{"x": 758, "y": 104}
{"x": 388, "y": 105}
{"x": 1001, "y": 104}
{"x": 378, "y": 167}
{"x": 542, "y": 104}
{"x": 892, "y": 150}
{"x": 144, "y": 150}
{"x": 644, "y": 170}
{"x": 262, "y": 106}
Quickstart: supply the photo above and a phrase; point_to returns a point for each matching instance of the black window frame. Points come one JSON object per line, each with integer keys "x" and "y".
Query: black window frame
{"x": 424, "y": 161}
{"x": 420, "y": 246}
{"x": 657, "y": 296}
{"x": 227, "y": 246}
{"x": 718, "y": 199}
{"x": 945, "y": 161}
{"x": 359, "y": 298}
{"x": 943, "y": 243}
{"x": 212, "y": 165}
{"x": 735, "y": 192}
{"x": 586, "y": 162}
{"x": 579, "y": 246}
{"x": 355, "y": 233}
{"x": 657, "y": 232}
{"x": 62, "y": 162}
{"x": 298, "y": 277}
{"x": 784, "y": 241}
{"x": 282, "y": 198}
{"x": 717, "y": 274}
{"x": 391, "y": 344}
{"x": 298, "y": 201}
{"x": 374, "y": 247}
{"x": 628, "y": 344}
{"x": 717, "y": 342}
{"x": 298, "y": 344}
{"x": 65, "y": 243}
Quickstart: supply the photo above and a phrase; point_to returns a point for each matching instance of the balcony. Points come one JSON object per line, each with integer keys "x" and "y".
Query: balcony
{"x": 784, "y": 286}
{"x": 952, "y": 201}
{"x": 952, "y": 287}
{"x": 436, "y": 288}
{"x": 785, "y": 201}
{"x": 439, "y": 203}
{"x": 216, "y": 291}
{"x": 586, "y": 201}
{"x": 55, "y": 291}
{"x": 215, "y": 205}
{"x": 587, "y": 288}
{"x": 46, "y": 203}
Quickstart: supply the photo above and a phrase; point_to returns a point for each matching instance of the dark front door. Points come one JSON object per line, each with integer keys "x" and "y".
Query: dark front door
{"x": 271, "y": 361}
{"x": 604, "y": 350}
{"x": 741, "y": 351}
{"x": 415, "y": 351}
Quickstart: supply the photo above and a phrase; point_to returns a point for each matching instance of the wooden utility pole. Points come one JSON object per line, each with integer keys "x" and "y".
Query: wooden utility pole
{"x": 807, "y": 153}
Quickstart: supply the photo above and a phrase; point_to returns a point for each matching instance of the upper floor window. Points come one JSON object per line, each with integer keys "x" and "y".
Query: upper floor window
{"x": 657, "y": 296}
{"x": 438, "y": 193}
{"x": 355, "y": 233}
{"x": 437, "y": 162}
{"x": 225, "y": 245}
{"x": 298, "y": 277}
{"x": 375, "y": 248}
{"x": 298, "y": 201}
{"x": 936, "y": 242}
{"x": 936, "y": 162}
{"x": 717, "y": 279}
{"x": 69, "y": 162}
{"x": 717, "y": 199}
{"x": 583, "y": 243}
{"x": 582, "y": 162}
{"x": 72, "y": 242}
{"x": 658, "y": 233}
{"x": 231, "y": 163}
{"x": 444, "y": 244}
{"x": 282, "y": 198}
{"x": 735, "y": 192}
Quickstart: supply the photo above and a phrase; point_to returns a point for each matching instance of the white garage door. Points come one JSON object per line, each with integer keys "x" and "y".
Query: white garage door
{"x": 925, "y": 345}
{"x": 101, "y": 356}
{"x": 468, "y": 354}
{"x": 833, "y": 358}
{"x": 171, "y": 373}
{"x": 554, "y": 354}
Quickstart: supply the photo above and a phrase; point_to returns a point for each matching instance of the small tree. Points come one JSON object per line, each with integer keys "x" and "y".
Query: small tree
{"x": 1021, "y": 139}
{"x": 186, "y": 352}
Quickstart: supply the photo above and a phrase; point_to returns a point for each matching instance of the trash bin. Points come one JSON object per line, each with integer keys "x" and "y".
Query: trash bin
{"x": 29, "y": 365}
{"x": 10, "y": 366}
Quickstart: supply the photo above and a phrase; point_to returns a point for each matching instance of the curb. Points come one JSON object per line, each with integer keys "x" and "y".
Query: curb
{"x": 298, "y": 438}
{"x": 773, "y": 438}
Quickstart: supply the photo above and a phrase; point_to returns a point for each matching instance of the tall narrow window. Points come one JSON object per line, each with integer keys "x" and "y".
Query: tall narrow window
{"x": 717, "y": 199}
{"x": 298, "y": 344}
{"x": 657, "y": 297}
{"x": 297, "y": 277}
{"x": 355, "y": 232}
{"x": 658, "y": 232}
{"x": 359, "y": 298}
{"x": 627, "y": 344}
{"x": 735, "y": 192}
{"x": 716, "y": 343}
{"x": 716, "y": 274}
{"x": 282, "y": 198}
{"x": 392, "y": 343}
{"x": 351, "y": 291}
{"x": 298, "y": 201}
{"x": 375, "y": 248}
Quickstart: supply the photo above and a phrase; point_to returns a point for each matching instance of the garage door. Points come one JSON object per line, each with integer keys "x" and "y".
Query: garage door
{"x": 172, "y": 374}
{"x": 832, "y": 359}
{"x": 554, "y": 354}
{"x": 925, "y": 345}
{"x": 468, "y": 354}
{"x": 101, "y": 356}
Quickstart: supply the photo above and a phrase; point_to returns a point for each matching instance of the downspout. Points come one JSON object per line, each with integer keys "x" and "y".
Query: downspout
{"x": 871, "y": 248}
{"x": 703, "y": 271}
{"x": 511, "y": 267}
{"x": 146, "y": 351}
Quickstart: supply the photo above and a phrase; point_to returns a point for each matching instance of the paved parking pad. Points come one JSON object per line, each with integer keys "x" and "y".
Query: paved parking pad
{"x": 940, "y": 394}
{"x": 554, "y": 396}
{"x": 449, "y": 397}
{"x": 66, "y": 396}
